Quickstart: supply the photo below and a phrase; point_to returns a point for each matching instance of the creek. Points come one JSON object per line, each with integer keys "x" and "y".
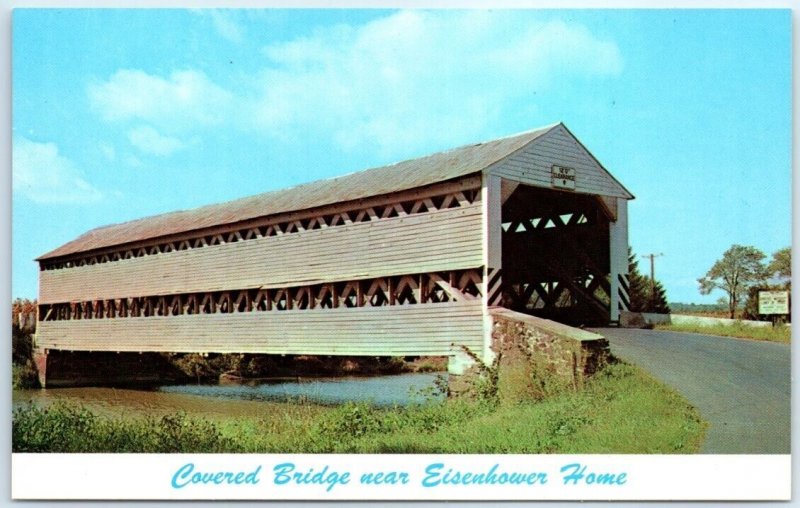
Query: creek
{"x": 238, "y": 398}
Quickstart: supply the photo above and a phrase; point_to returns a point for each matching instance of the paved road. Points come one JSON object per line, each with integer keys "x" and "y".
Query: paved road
{"x": 741, "y": 387}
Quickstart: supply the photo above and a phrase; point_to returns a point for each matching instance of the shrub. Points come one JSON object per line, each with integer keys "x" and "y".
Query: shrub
{"x": 21, "y": 345}
{"x": 64, "y": 428}
{"x": 24, "y": 375}
{"x": 179, "y": 434}
{"x": 59, "y": 428}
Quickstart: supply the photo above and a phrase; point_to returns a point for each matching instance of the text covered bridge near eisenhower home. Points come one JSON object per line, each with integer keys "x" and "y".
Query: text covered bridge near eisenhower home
{"x": 402, "y": 260}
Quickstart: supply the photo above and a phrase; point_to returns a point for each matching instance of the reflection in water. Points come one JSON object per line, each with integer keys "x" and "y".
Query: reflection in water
{"x": 239, "y": 399}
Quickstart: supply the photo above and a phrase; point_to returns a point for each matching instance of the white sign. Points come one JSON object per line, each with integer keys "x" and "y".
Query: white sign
{"x": 563, "y": 178}
{"x": 773, "y": 302}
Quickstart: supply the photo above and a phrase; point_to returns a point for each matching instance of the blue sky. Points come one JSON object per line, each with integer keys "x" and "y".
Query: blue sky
{"x": 119, "y": 114}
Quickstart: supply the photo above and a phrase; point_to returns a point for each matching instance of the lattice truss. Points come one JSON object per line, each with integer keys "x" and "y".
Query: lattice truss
{"x": 425, "y": 288}
{"x": 439, "y": 197}
{"x": 555, "y": 256}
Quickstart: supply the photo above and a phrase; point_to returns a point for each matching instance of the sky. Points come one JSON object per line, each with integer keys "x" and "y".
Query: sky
{"x": 120, "y": 114}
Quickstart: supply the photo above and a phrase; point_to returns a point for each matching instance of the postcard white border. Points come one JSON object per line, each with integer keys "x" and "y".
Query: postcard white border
{"x": 142, "y": 476}
{"x": 646, "y": 477}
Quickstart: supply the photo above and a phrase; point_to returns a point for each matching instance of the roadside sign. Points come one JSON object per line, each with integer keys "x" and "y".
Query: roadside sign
{"x": 773, "y": 302}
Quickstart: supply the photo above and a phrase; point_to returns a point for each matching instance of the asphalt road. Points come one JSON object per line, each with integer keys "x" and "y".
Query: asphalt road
{"x": 741, "y": 387}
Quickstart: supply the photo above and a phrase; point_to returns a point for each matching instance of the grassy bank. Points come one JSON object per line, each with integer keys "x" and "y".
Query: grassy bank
{"x": 770, "y": 333}
{"x": 620, "y": 410}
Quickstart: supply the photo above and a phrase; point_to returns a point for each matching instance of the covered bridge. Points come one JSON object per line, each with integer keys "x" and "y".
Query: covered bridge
{"x": 402, "y": 260}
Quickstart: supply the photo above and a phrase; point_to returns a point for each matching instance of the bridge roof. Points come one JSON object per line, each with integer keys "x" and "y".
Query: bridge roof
{"x": 396, "y": 177}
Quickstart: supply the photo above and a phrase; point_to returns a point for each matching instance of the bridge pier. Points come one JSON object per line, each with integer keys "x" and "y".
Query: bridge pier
{"x": 526, "y": 354}
{"x": 40, "y": 359}
{"x": 462, "y": 369}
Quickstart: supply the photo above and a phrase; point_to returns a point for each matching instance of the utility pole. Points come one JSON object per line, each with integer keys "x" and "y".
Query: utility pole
{"x": 653, "y": 276}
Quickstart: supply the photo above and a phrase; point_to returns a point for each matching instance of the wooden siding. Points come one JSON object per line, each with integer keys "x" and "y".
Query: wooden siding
{"x": 435, "y": 241}
{"x": 532, "y": 165}
{"x": 618, "y": 255}
{"x": 428, "y": 329}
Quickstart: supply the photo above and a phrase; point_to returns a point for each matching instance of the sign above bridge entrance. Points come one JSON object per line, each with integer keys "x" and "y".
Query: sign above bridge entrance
{"x": 563, "y": 177}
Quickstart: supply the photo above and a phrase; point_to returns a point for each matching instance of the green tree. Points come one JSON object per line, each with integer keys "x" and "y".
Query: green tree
{"x": 658, "y": 300}
{"x": 643, "y": 294}
{"x": 740, "y": 268}
{"x": 781, "y": 266}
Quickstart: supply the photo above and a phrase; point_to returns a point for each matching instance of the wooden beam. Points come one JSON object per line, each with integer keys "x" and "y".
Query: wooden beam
{"x": 454, "y": 293}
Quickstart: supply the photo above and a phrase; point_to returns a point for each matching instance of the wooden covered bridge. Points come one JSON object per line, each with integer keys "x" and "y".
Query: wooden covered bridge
{"x": 402, "y": 260}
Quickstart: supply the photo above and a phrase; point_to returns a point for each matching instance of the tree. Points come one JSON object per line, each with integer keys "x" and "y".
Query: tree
{"x": 658, "y": 300}
{"x": 741, "y": 267}
{"x": 645, "y": 295}
{"x": 637, "y": 285}
{"x": 750, "y": 308}
{"x": 781, "y": 265}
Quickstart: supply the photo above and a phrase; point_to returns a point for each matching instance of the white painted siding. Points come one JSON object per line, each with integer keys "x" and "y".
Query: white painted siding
{"x": 618, "y": 251}
{"x": 532, "y": 165}
{"x": 410, "y": 330}
{"x": 429, "y": 242}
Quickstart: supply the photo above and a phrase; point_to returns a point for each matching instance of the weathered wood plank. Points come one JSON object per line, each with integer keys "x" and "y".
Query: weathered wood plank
{"x": 398, "y": 330}
{"x": 533, "y": 164}
{"x": 437, "y": 241}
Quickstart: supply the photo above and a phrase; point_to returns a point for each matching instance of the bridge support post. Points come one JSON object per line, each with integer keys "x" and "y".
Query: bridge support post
{"x": 618, "y": 243}
{"x": 460, "y": 372}
{"x": 40, "y": 359}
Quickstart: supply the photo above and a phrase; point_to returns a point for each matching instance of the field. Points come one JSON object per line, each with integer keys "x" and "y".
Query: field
{"x": 781, "y": 334}
{"x": 619, "y": 410}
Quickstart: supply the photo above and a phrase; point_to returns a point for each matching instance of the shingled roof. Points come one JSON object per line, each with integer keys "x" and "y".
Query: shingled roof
{"x": 396, "y": 177}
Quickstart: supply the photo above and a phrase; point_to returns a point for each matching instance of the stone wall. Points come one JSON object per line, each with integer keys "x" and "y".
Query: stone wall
{"x": 534, "y": 358}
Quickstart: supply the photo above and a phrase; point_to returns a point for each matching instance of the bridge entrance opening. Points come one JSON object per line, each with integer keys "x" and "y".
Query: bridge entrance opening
{"x": 555, "y": 255}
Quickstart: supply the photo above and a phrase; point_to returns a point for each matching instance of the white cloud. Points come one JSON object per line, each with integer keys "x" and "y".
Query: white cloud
{"x": 224, "y": 22}
{"x": 225, "y": 25}
{"x": 183, "y": 100}
{"x": 417, "y": 76}
{"x": 150, "y": 141}
{"x": 408, "y": 81}
{"x": 42, "y": 175}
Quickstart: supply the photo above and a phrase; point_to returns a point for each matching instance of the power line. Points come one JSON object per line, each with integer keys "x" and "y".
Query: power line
{"x": 653, "y": 274}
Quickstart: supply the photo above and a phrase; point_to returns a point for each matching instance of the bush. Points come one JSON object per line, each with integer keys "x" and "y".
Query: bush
{"x": 59, "y": 428}
{"x": 65, "y": 428}
{"x": 23, "y": 370}
{"x": 180, "y": 434}
{"x": 21, "y": 345}
{"x": 24, "y": 376}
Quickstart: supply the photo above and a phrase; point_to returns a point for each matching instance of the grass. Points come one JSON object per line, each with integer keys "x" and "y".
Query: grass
{"x": 774, "y": 334}
{"x": 619, "y": 410}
